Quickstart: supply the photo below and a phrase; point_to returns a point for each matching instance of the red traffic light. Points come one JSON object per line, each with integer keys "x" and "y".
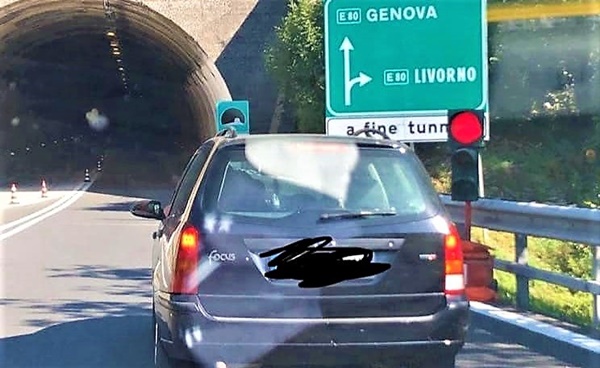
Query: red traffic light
{"x": 466, "y": 127}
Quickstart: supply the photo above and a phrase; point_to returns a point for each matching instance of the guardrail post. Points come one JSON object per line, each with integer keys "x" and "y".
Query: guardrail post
{"x": 596, "y": 298}
{"x": 522, "y": 298}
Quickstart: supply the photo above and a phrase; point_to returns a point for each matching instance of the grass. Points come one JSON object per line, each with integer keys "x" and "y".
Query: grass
{"x": 544, "y": 298}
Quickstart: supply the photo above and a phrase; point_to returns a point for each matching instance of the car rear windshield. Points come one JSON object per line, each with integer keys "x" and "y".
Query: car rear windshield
{"x": 276, "y": 179}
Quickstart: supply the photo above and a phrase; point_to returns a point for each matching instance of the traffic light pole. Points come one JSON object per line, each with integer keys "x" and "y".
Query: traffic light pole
{"x": 485, "y": 234}
{"x": 468, "y": 206}
{"x": 481, "y": 184}
{"x": 468, "y": 214}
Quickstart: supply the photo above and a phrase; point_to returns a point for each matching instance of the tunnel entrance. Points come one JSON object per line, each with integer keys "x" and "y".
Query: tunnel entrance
{"x": 79, "y": 79}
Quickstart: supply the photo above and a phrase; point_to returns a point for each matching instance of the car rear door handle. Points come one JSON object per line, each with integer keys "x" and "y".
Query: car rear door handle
{"x": 157, "y": 234}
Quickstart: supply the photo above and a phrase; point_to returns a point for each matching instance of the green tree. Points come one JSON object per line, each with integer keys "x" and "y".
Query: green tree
{"x": 296, "y": 60}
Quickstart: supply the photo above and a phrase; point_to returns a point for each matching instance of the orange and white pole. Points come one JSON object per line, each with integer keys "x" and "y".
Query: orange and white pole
{"x": 44, "y": 189}
{"x": 13, "y": 194}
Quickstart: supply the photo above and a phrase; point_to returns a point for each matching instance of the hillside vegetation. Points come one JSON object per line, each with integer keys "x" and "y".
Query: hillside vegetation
{"x": 545, "y": 128}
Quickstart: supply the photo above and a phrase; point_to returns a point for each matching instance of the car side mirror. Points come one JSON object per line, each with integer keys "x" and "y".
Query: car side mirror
{"x": 148, "y": 209}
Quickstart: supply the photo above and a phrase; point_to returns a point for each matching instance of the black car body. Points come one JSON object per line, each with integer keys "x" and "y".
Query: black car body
{"x": 306, "y": 249}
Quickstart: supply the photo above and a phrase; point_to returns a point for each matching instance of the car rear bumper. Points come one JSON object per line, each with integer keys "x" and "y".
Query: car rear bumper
{"x": 188, "y": 332}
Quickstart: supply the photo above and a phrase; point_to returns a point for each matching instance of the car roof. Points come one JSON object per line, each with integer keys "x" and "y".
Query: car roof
{"x": 371, "y": 141}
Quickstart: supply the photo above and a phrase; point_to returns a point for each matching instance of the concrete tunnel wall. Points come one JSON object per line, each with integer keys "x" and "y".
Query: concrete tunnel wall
{"x": 26, "y": 24}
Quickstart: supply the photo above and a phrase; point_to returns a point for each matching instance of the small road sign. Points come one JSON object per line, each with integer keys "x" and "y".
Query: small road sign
{"x": 234, "y": 114}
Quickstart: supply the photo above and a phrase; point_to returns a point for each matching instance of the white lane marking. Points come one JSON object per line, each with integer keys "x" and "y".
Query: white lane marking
{"x": 56, "y": 209}
{"x": 539, "y": 327}
{"x": 37, "y": 213}
{"x": 43, "y": 210}
{"x": 28, "y": 200}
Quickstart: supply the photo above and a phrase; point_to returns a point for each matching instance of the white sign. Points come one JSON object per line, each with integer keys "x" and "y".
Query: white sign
{"x": 406, "y": 128}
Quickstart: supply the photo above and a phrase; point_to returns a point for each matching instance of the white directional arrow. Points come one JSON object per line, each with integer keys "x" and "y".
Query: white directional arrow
{"x": 362, "y": 78}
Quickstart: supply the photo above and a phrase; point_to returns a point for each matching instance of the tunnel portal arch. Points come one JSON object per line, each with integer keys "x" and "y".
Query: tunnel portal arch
{"x": 171, "y": 55}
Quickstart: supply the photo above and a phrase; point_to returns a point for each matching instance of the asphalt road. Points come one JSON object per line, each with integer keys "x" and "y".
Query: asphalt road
{"x": 76, "y": 293}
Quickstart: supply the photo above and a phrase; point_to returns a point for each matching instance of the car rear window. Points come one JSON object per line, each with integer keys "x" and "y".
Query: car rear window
{"x": 274, "y": 179}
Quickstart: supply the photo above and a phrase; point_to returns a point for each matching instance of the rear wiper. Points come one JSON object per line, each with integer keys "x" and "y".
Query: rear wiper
{"x": 358, "y": 214}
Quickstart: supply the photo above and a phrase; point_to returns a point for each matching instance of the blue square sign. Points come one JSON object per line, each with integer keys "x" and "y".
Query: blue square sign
{"x": 233, "y": 114}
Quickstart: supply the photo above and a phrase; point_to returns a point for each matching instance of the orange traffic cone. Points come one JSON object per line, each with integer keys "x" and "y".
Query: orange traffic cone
{"x": 13, "y": 194}
{"x": 44, "y": 189}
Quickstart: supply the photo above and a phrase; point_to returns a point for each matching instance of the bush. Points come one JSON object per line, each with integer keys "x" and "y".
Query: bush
{"x": 296, "y": 61}
{"x": 566, "y": 257}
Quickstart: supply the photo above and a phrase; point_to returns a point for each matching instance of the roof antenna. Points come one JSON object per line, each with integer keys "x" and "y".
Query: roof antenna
{"x": 368, "y": 131}
{"x": 228, "y": 132}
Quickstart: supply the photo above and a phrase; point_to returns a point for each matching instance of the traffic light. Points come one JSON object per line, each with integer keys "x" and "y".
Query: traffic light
{"x": 465, "y": 136}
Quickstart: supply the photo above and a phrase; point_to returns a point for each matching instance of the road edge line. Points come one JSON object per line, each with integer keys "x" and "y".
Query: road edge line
{"x": 71, "y": 199}
{"x": 8, "y": 226}
{"x": 568, "y": 346}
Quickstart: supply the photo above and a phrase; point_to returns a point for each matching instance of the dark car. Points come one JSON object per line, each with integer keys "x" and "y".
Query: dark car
{"x": 283, "y": 250}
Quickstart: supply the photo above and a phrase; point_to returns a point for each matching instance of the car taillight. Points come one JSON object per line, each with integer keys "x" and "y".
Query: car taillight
{"x": 186, "y": 262}
{"x": 455, "y": 282}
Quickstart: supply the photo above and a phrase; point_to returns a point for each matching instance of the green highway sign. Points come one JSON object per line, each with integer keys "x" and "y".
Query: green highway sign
{"x": 404, "y": 57}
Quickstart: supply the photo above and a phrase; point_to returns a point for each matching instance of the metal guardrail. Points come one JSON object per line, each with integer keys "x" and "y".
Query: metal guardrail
{"x": 525, "y": 219}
